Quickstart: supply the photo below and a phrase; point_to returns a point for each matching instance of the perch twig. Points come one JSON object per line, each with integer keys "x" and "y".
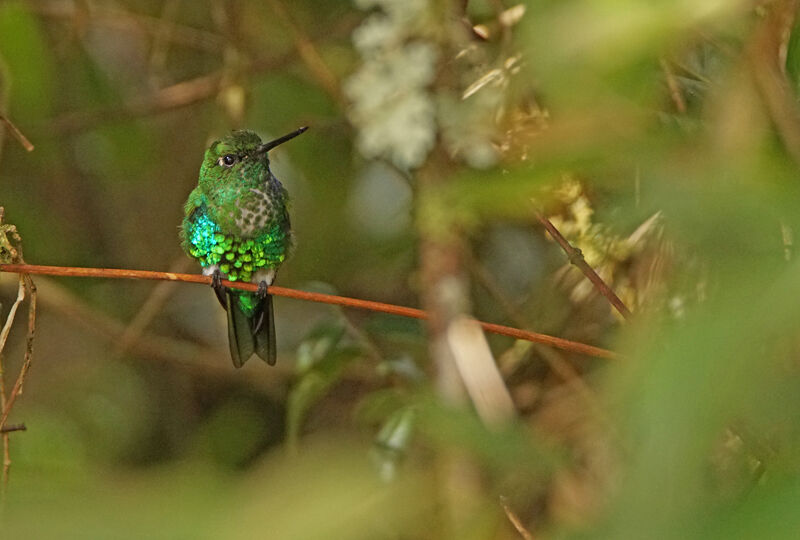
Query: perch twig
{"x": 516, "y": 333}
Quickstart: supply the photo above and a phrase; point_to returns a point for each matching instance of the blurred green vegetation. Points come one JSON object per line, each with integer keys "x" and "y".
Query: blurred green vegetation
{"x": 662, "y": 139}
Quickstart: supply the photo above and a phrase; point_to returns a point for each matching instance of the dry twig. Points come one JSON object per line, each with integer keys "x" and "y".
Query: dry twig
{"x": 16, "y": 390}
{"x": 674, "y": 87}
{"x": 23, "y": 140}
{"x": 766, "y": 60}
{"x": 576, "y": 257}
{"x": 308, "y": 52}
{"x": 123, "y": 21}
{"x": 515, "y": 521}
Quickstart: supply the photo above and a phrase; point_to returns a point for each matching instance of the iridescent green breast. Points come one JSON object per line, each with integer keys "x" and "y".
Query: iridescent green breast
{"x": 238, "y": 258}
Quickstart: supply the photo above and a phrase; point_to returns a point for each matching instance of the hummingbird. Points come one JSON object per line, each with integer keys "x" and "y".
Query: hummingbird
{"x": 236, "y": 225}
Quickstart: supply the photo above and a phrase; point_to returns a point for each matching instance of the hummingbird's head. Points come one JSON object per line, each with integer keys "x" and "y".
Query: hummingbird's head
{"x": 239, "y": 158}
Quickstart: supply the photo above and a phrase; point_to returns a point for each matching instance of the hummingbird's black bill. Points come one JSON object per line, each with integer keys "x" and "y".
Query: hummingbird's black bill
{"x": 267, "y": 146}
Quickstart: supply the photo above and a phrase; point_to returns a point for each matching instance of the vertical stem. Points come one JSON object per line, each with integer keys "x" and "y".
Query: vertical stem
{"x": 444, "y": 285}
{"x": 445, "y": 297}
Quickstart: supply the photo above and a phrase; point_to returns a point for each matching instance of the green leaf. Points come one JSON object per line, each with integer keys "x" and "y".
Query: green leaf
{"x": 238, "y": 430}
{"x": 512, "y": 449}
{"x": 391, "y": 442}
{"x": 318, "y": 345}
{"x": 397, "y": 431}
{"x": 793, "y": 58}
{"x": 321, "y": 360}
{"x": 301, "y": 398}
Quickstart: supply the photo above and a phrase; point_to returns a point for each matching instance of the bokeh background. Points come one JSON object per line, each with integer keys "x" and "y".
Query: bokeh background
{"x": 662, "y": 138}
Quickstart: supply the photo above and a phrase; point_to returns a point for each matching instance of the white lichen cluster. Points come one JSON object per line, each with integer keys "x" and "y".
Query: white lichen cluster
{"x": 468, "y": 126}
{"x": 421, "y": 77}
{"x": 392, "y": 105}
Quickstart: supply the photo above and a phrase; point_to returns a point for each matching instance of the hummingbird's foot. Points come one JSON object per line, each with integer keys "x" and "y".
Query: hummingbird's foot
{"x": 216, "y": 280}
{"x": 262, "y": 290}
{"x": 219, "y": 289}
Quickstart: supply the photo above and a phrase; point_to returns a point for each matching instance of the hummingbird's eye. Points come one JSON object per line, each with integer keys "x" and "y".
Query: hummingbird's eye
{"x": 227, "y": 160}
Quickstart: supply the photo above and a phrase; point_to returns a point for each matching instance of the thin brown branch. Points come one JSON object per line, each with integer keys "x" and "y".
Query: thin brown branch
{"x": 176, "y": 96}
{"x": 674, "y": 88}
{"x": 766, "y": 59}
{"x": 124, "y": 21}
{"x": 403, "y": 311}
{"x": 26, "y": 363}
{"x": 13, "y": 427}
{"x": 160, "y": 47}
{"x": 576, "y": 257}
{"x": 26, "y": 288}
{"x": 515, "y": 521}
{"x": 308, "y": 52}
{"x": 23, "y": 140}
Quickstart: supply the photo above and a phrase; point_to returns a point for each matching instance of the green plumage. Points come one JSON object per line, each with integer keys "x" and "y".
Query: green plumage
{"x": 238, "y": 258}
{"x": 236, "y": 225}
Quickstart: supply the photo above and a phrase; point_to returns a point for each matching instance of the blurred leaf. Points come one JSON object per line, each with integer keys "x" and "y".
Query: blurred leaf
{"x": 392, "y": 441}
{"x": 321, "y": 361}
{"x": 305, "y": 393}
{"x": 164, "y": 503}
{"x": 693, "y": 380}
{"x": 318, "y": 345}
{"x": 512, "y": 449}
{"x": 328, "y": 491}
{"x": 793, "y": 57}
{"x": 115, "y": 411}
{"x": 24, "y": 52}
{"x": 403, "y": 366}
{"x": 594, "y": 50}
{"x": 53, "y": 448}
{"x": 380, "y": 404}
{"x": 239, "y": 430}
{"x": 767, "y": 514}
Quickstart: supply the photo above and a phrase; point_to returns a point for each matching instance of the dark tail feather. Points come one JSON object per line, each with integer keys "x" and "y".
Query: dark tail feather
{"x": 240, "y": 333}
{"x": 264, "y": 333}
{"x": 219, "y": 292}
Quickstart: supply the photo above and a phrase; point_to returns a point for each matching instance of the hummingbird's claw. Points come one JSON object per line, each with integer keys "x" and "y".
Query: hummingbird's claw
{"x": 216, "y": 280}
{"x": 219, "y": 290}
{"x": 262, "y": 290}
